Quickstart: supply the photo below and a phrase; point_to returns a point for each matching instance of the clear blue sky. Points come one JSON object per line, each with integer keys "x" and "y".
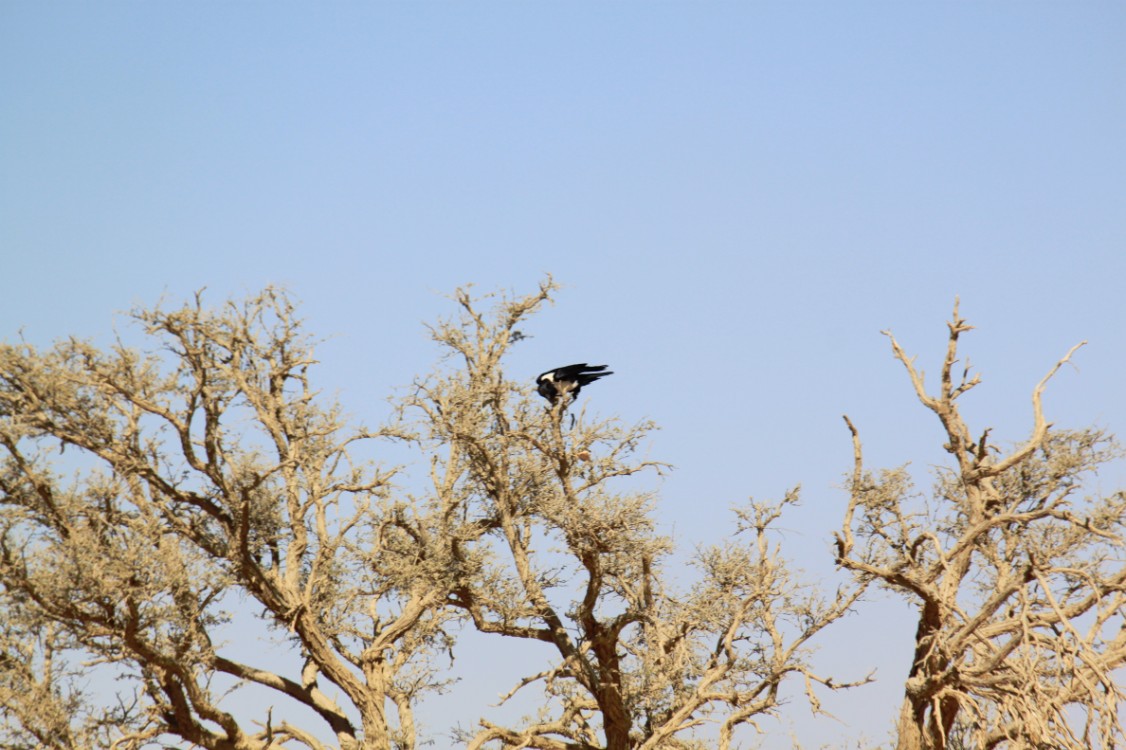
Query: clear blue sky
{"x": 738, "y": 197}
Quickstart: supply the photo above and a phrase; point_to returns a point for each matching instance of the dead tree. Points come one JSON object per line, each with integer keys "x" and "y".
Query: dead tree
{"x": 556, "y": 535}
{"x": 1018, "y": 577}
{"x": 200, "y": 476}
{"x": 208, "y": 478}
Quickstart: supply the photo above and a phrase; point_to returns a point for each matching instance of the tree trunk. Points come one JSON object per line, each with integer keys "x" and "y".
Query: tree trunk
{"x": 910, "y": 728}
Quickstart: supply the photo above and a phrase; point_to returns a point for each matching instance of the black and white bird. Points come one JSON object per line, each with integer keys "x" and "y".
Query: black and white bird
{"x": 555, "y": 384}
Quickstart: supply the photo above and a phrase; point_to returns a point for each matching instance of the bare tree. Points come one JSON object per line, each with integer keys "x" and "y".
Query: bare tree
{"x": 207, "y": 474}
{"x": 544, "y": 510}
{"x": 1019, "y": 578}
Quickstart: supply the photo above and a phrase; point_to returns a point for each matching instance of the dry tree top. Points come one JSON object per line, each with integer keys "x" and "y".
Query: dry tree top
{"x": 216, "y": 476}
{"x": 1018, "y": 576}
{"x": 208, "y": 477}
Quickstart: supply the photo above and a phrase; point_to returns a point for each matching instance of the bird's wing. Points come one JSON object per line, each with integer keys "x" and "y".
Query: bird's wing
{"x": 570, "y": 372}
{"x": 587, "y": 378}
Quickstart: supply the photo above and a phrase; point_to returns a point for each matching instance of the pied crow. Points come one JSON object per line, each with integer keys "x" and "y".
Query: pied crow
{"x": 561, "y": 381}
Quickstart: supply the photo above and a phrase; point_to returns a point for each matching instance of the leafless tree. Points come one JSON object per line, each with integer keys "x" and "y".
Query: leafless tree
{"x": 207, "y": 475}
{"x": 1018, "y": 576}
{"x": 207, "y": 480}
{"x": 546, "y": 514}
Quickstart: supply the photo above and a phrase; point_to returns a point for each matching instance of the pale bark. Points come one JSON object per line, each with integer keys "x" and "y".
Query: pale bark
{"x": 209, "y": 468}
{"x": 636, "y": 664}
{"x": 1018, "y": 580}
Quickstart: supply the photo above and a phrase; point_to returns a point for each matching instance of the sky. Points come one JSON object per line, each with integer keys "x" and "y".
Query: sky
{"x": 736, "y": 197}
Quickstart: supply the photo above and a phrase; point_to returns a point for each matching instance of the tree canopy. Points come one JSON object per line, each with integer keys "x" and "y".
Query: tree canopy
{"x": 147, "y": 497}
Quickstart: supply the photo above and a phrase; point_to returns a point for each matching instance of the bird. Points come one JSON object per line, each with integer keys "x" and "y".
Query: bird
{"x": 554, "y": 384}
